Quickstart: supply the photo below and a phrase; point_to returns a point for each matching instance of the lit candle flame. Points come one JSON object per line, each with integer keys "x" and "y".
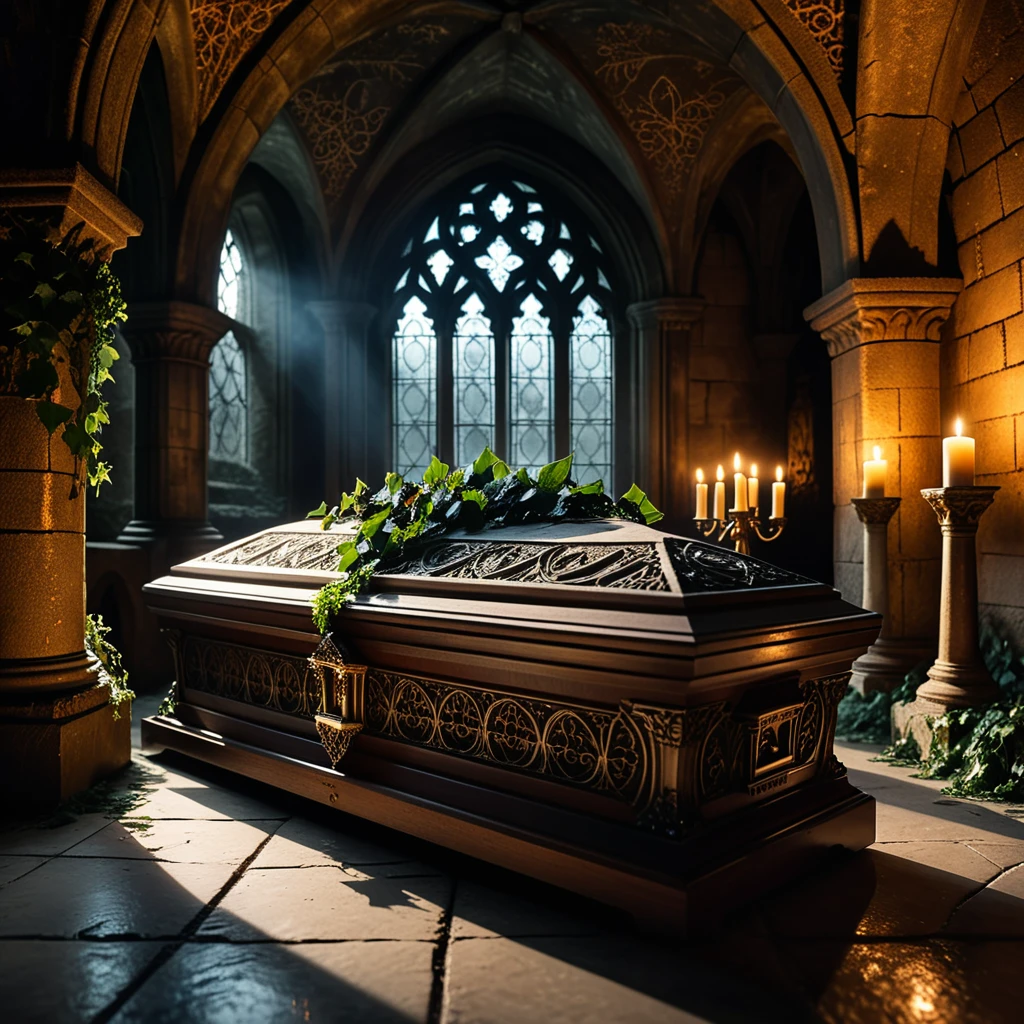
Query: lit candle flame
{"x": 753, "y": 469}
{"x": 878, "y": 452}
{"x": 721, "y": 473}
{"x": 736, "y": 462}
{"x": 700, "y": 476}
{"x": 778, "y": 473}
{"x": 959, "y": 427}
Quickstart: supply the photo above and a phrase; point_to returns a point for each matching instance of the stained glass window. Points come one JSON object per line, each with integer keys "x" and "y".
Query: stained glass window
{"x": 414, "y": 400}
{"x": 229, "y": 382}
{"x": 590, "y": 368}
{"x": 501, "y": 332}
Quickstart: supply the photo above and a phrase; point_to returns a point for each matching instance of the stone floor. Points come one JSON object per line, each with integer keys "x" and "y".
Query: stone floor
{"x": 185, "y": 895}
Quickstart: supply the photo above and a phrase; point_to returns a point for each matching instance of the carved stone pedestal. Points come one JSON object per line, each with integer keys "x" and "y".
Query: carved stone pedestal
{"x": 883, "y": 667}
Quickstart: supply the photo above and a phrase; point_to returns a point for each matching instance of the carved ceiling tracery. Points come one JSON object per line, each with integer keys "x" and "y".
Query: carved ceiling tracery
{"x": 342, "y": 110}
{"x": 224, "y": 31}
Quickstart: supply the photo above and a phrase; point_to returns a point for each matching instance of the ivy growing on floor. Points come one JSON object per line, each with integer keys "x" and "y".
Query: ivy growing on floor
{"x": 484, "y": 494}
{"x": 59, "y": 303}
{"x": 986, "y": 762}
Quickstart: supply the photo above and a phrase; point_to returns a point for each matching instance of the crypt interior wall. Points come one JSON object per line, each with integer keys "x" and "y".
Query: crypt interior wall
{"x": 736, "y": 177}
{"x": 983, "y": 342}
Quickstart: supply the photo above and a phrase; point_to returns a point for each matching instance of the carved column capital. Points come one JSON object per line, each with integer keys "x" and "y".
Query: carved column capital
{"x": 875, "y": 511}
{"x": 959, "y": 509}
{"x": 680, "y": 311}
{"x": 865, "y": 310}
{"x": 180, "y": 331}
{"x": 72, "y": 196}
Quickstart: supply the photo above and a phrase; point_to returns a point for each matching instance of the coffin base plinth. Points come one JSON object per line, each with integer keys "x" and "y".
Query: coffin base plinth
{"x": 669, "y": 886}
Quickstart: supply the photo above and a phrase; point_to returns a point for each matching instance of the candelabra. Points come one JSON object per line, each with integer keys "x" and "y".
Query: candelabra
{"x": 959, "y": 677}
{"x": 882, "y": 667}
{"x": 738, "y": 527}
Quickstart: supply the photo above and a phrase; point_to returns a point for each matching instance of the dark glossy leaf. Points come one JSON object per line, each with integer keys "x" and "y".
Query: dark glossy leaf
{"x": 53, "y": 415}
{"x": 554, "y": 474}
{"x": 77, "y": 439}
{"x": 39, "y": 378}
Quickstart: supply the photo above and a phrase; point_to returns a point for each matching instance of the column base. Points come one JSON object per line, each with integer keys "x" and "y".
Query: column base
{"x": 22, "y": 677}
{"x": 886, "y": 663}
{"x": 957, "y": 686}
{"x": 52, "y": 749}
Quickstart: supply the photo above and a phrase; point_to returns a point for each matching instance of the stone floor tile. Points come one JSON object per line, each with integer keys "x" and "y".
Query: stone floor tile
{"x": 608, "y": 979}
{"x": 484, "y": 912}
{"x": 1005, "y": 855}
{"x": 997, "y": 910}
{"x": 911, "y": 983}
{"x": 956, "y": 858}
{"x": 300, "y": 843}
{"x": 66, "y": 982}
{"x": 181, "y": 795}
{"x": 869, "y": 893}
{"x": 14, "y": 867}
{"x": 197, "y": 841}
{"x": 289, "y": 904}
{"x": 94, "y": 898}
{"x": 55, "y": 836}
{"x": 354, "y": 982}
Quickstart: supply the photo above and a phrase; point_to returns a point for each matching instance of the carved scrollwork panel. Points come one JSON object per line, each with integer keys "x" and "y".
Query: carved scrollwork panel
{"x": 281, "y": 550}
{"x": 619, "y": 566}
{"x": 708, "y": 567}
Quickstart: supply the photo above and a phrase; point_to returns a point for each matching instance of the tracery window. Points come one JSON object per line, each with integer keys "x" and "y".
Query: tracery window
{"x": 502, "y": 333}
{"x": 229, "y": 383}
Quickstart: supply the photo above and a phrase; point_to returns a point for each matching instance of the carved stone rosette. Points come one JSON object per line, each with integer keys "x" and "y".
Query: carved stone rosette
{"x": 959, "y": 677}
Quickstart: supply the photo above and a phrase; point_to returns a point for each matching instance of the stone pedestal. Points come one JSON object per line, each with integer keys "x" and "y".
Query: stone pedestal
{"x": 883, "y": 337}
{"x": 170, "y": 344}
{"x": 881, "y": 667}
{"x": 661, "y": 333}
{"x": 958, "y": 679}
{"x": 347, "y": 368}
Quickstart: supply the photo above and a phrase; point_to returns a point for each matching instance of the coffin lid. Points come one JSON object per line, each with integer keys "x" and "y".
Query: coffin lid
{"x": 604, "y": 563}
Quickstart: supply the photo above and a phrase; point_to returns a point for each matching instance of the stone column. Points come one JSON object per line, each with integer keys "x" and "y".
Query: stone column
{"x": 661, "y": 343}
{"x": 349, "y": 392}
{"x": 58, "y": 733}
{"x": 170, "y": 344}
{"x": 883, "y": 337}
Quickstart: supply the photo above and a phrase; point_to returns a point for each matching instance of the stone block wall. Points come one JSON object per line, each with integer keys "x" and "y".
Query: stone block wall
{"x": 983, "y": 341}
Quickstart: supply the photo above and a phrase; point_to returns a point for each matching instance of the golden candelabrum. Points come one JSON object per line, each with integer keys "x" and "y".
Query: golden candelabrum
{"x": 738, "y": 527}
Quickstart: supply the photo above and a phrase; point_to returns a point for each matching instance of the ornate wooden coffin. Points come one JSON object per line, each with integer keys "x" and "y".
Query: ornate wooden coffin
{"x": 636, "y": 716}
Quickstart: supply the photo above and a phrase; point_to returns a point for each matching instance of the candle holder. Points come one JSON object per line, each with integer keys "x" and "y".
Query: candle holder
{"x": 883, "y": 665}
{"x": 738, "y": 526}
{"x": 958, "y": 679}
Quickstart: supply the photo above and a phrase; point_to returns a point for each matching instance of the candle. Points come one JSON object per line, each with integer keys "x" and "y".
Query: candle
{"x": 874, "y": 475}
{"x": 702, "y": 496}
{"x": 778, "y": 495}
{"x": 752, "y": 487}
{"x": 720, "y": 495}
{"x": 740, "y": 486}
{"x": 958, "y": 459}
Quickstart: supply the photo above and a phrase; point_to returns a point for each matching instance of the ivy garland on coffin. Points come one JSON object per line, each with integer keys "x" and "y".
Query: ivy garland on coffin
{"x": 59, "y": 302}
{"x": 485, "y": 494}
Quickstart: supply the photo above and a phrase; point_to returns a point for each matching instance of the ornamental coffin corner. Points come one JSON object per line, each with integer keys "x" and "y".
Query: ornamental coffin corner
{"x": 590, "y": 703}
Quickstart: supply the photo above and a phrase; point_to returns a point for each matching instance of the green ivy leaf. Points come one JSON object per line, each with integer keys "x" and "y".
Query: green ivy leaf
{"x": 554, "y": 474}
{"x": 320, "y": 510}
{"x": 597, "y": 487}
{"x": 478, "y": 496}
{"x": 647, "y": 510}
{"x": 348, "y": 554}
{"x": 53, "y": 415}
{"x": 76, "y": 438}
{"x": 393, "y": 482}
{"x": 484, "y": 461}
{"x": 435, "y": 472}
{"x": 39, "y": 378}
{"x": 45, "y": 292}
